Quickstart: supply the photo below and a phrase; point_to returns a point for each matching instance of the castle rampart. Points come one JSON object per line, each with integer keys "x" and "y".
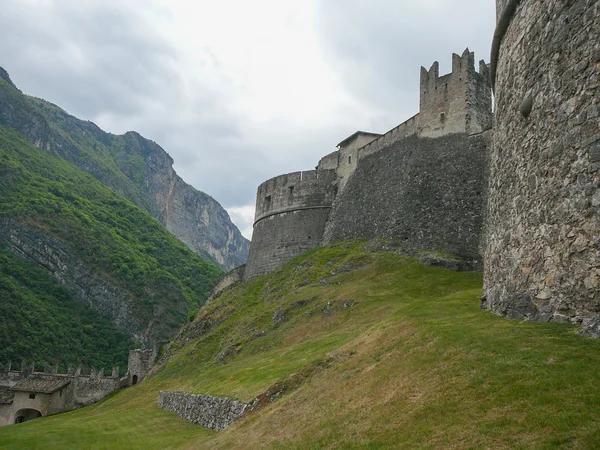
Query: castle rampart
{"x": 291, "y": 212}
{"x": 420, "y": 194}
{"x": 348, "y": 154}
{"x": 542, "y": 258}
{"x": 30, "y": 394}
{"x": 329, "y": 162}
{"x": 26, "y": 394}
{"x": 459, "y": 102}
{"x": 402, "y": 131}
{"x": 421, "y": 184}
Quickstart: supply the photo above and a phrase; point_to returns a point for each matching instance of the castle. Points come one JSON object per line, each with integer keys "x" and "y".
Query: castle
{"x": 420, "y": 185}
{"x": 26, "y": 394}
{"x": 515, "y": 192}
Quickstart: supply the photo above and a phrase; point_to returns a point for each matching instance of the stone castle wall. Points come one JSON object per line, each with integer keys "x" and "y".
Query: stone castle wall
{"x": 291, "y": 212}
{"x": 398, "y": 133}
{"x": 419, "y": 193}
{"x": 459, "y": 102}
{"x": 78, "y": 387}
{"x": 229, "y": 280}
{"x": 139, "y": 364}
{"x": 216, "y": 413}
{"x": 421, "y": 184}
{"x": 348, "y": 155}
{"x": 79, "y": 390}
{"x": 542, "y": 260}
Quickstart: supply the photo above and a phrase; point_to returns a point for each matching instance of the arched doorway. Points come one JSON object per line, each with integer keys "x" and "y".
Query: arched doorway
{"x": 24, "y": 415}
{"x": 134, "y": 380}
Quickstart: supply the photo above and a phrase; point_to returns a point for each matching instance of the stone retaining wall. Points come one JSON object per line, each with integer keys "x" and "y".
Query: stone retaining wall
{"x": 216, "y": 413}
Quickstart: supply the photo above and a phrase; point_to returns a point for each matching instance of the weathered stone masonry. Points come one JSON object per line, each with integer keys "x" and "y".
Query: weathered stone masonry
{"x": 437, "y": 197}
{"x": 26, "y": 394}
{"x": 420, "y": 185}
{"x": 541, "y": 205}
{"x": 291, "y": 212}
{"x": 542, "y": 259}
{"x": 216, "y": 413}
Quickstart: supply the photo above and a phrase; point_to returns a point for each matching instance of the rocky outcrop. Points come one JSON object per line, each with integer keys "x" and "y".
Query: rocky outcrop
{"x": 137, "y": 168}
{"x": 85, "y": 285}
{"x": 216, "y": 413}
{"x": 16, "y": 113}
{"x": 197, "y": 219}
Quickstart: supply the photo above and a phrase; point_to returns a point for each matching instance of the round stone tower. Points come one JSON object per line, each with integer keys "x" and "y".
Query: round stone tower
{"x": 291, "y": 213}
{"x": 542, "y": 257}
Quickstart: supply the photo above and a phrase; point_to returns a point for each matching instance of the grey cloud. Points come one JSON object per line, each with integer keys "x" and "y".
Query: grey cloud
{"x": 92, "y": 57}
{"x": 100, "y": 60}
{"x": 377, "y": 46}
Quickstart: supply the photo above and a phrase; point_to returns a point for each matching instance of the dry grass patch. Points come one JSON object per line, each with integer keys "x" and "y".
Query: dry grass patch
{"x": 416, "y": 364}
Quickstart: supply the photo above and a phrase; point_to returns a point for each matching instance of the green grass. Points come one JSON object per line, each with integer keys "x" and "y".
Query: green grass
{"x": 414, "y": 364}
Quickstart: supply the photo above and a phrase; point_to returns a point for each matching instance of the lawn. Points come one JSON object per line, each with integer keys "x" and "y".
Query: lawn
{"x": 412, "y": 362}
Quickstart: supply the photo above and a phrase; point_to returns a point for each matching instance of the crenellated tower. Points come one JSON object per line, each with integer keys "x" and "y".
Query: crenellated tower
{"x": 420, "y": 185}
{"x": 458, "y": 102}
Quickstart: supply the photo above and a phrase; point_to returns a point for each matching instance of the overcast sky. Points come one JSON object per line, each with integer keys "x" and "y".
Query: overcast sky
{"x": 237, "y": 91}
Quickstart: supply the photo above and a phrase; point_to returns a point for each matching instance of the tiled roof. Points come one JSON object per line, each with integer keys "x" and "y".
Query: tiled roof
{"x": 39, "y": 385}
{"x": 6, "y": 396}
{"x": 358, "y": 133}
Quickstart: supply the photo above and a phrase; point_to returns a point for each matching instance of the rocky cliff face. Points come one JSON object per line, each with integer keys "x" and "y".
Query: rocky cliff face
{"x": 84, "y": 284}
{"x": 137, "y": 168}
{"x": 194, "y": 217}
{"x": 17, "y": 114}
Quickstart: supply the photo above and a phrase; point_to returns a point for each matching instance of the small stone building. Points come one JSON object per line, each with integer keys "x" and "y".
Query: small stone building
{"x": 26, "y": 394}
{"x": 33, "y": 398}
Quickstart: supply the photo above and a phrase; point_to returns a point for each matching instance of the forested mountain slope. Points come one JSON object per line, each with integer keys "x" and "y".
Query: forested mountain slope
{"x": 135, "y": 167}
{"x": 104, "y": 250}
{"x": 41, "y": 321}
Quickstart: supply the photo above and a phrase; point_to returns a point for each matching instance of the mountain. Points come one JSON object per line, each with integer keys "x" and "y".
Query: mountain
{"x": 41, "y": 321}
{"x": 135, "y": 167}
{"x": 104, "y": 250}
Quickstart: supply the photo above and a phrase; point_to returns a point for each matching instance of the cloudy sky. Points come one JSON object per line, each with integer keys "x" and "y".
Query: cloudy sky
{"x": 237, "y": 91}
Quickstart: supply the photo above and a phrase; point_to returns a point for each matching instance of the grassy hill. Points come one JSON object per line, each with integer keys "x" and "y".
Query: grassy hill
{"x": 110, "y": 236}
{"x": 391, "y": 354}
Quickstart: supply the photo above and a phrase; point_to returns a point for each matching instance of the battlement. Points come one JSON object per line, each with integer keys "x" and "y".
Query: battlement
{"x": 463, "y": 70}
{"x": 291, "y": 213}
{"x": 402, "y": 131}
{"x": 50, "y": 391}
{"x": 293, "y": 210}
{"x": 458, "y": 102}
{"x": 26, "y": 369}
{"x": 295, "y": 191}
